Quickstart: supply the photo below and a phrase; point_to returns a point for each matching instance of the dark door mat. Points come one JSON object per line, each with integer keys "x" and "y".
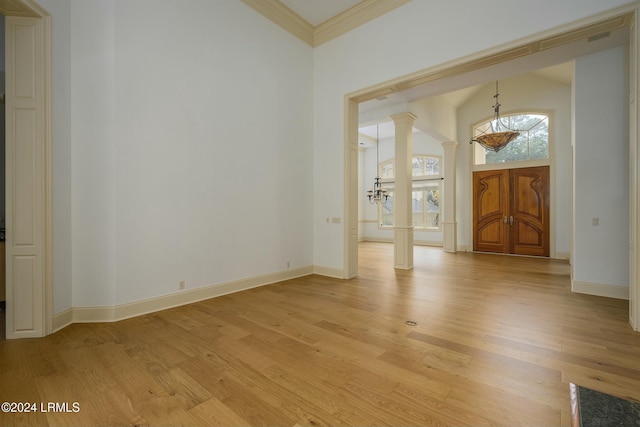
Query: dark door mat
{"x": 590, "y": 408}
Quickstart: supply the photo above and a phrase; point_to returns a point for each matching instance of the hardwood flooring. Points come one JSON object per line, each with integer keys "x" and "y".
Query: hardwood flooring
{"x": 496, "y": 342}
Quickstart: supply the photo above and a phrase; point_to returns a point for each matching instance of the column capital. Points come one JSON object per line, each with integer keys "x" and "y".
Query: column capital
{"x": 408, "y": 117}
{"x": 449, "y": 144}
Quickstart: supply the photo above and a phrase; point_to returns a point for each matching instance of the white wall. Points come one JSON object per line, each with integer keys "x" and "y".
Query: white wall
{"x": 601, "y": 169}
{"x": 522, "y": 93}
{"x": 93, "y": 153}
{"x": 411, "y": 38}
{"x": 436, "y": 117}
{"x": 213, "y": 146}
{"x": 191, "y": 148}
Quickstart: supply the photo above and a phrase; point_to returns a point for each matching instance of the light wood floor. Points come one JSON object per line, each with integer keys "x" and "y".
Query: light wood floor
{"x": 497, "y": 341}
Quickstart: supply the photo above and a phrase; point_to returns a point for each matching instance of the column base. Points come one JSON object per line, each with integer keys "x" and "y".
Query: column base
{"x": 403, "y": 247}
{"x": 450, "y": 239}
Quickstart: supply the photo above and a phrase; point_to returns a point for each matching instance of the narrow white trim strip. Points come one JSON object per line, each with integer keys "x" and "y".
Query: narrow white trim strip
{"x": 62, "y": 319}
{"x": 600, "y": 289}
{"x": 328, "y": 271}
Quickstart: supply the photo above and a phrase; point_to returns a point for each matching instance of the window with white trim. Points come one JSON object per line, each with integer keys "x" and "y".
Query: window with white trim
{"x": 426, "y": 190}
{"x": 531, "y": 144}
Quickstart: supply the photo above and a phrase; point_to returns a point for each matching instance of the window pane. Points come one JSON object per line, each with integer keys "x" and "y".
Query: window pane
{"x": 531, "y": 144}
{"x": 539, "y": 140}
{"x": 386, "y": 170}
{"x": 418, "y": 166}
{"x": 517, "y": 150}
{"x": 433, "y": 166}
{"x": 525, "y": 121}
{"x": 425, "y": 165}
{"x": 418, "y": 208}
{"x": 433, "y": 206}
{"x": 386, "y": 212}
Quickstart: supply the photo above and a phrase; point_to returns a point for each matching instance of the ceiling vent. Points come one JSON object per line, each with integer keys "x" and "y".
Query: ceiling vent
{"x": 599, "y": 36}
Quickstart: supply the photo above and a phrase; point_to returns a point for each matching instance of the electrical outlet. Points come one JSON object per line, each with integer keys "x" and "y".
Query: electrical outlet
{"x": 181, "y": 285}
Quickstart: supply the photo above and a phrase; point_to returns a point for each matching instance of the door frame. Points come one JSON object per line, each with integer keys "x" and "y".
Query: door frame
{"x": 30, "y": 9}
{"x": 610, "y": 20}
{"x": 550, "y": 163}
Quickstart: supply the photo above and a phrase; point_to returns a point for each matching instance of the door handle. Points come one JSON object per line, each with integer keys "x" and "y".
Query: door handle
{"x": 510, "y": 220}
{"x": 505, "y": 219}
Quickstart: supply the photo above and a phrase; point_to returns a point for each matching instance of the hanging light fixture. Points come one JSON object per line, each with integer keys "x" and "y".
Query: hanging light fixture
{"x": 378, "y": 194}
{"x": 500, "y": 134}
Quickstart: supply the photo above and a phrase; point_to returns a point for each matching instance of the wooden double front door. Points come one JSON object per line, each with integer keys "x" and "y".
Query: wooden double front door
{"x": 511, "y": 211}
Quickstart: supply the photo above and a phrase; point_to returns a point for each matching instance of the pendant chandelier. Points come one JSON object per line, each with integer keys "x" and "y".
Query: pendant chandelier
{"x": 500, "y": 135}
{"x": 378, "y": 194}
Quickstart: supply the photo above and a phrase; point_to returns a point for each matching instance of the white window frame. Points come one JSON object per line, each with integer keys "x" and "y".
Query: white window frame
{"x": 389, "y": 184}
{"x": 428, "y": 179}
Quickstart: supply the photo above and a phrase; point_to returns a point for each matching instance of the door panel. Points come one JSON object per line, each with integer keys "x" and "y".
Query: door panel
{"x": 25, "y": 156}
{"x": 530, "y": 210}
{"x": 490, "y": 206}
{"x": 511, "y": 211}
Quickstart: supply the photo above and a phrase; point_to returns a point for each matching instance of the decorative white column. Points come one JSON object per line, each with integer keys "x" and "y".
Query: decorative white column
{"x": 449, "y": 224}
{"x": 403, "y": 215}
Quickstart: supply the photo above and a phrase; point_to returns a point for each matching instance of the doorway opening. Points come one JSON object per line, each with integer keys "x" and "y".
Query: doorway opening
{"x": 447, "y": 77}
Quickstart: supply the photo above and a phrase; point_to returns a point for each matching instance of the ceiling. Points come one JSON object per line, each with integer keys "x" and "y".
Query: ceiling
{"x": 315, "y": 12}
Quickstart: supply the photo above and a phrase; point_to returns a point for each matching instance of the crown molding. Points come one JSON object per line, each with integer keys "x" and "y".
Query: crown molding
{"x": 22, "y": 8}
{"x": 360, "y": 14}
{"x": 352, "y": 18}
{"x": 284, "y": 17}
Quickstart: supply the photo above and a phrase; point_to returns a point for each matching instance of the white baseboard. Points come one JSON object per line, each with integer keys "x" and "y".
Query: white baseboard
{"x": 328, "y": 271}
{"x": 390, "y": 240}
{"x": 138, "y": 308}
{"x": 62, "y": 319}
{"x": 427, "y": 243}
{"x": 600, "y": 289}
{"x": 378, "y": 239}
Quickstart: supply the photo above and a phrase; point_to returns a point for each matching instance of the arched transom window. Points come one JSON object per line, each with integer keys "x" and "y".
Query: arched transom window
{"x": 531, "y": 144}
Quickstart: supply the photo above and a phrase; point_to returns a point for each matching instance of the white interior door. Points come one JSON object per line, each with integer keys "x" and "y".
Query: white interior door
{"x": 25, "y": 185}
